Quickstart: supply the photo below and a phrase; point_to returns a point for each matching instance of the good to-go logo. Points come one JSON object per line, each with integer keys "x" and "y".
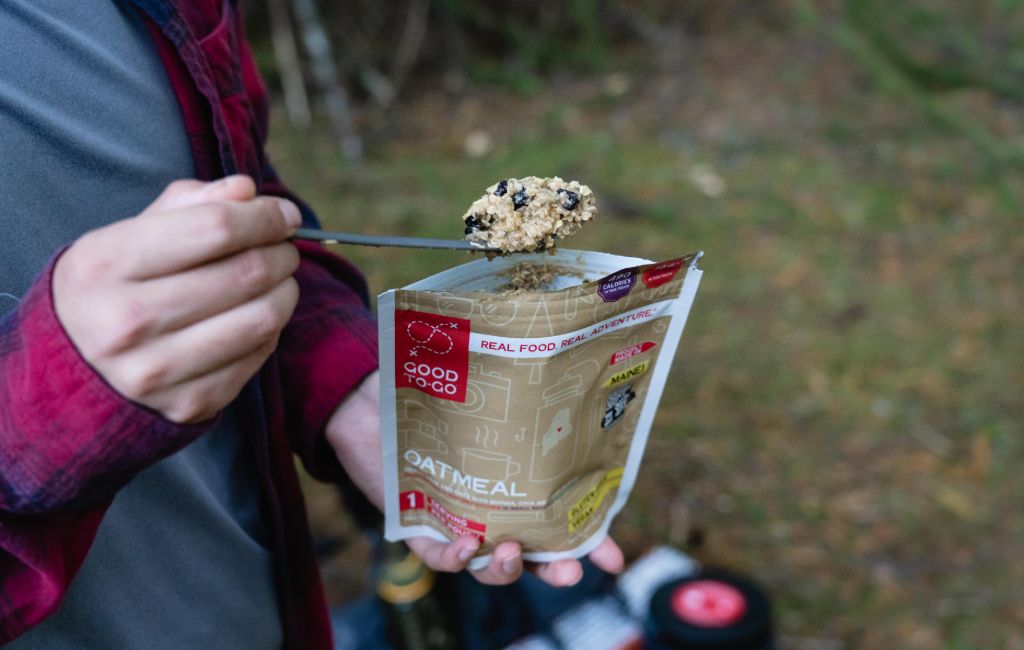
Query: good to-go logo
{"x": 432, "y": 353}
{"x": 429, "y": 337}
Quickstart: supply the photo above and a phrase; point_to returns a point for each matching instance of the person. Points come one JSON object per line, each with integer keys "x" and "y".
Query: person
{"x": 165, "y": 348}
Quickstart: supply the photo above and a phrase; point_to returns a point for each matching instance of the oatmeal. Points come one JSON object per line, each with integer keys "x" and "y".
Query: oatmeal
{"x": 529, "y": 214}
{"x": 528, "y": 276}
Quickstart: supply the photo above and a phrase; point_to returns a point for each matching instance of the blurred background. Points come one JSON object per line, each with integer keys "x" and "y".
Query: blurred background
{"x": 844, "y": 418}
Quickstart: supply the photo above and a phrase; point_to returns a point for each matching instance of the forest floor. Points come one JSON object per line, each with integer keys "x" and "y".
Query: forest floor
{"x": 844, "y": 417}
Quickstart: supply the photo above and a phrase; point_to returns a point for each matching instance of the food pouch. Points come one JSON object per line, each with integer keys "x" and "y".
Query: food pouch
{"x": 523, "y": 415}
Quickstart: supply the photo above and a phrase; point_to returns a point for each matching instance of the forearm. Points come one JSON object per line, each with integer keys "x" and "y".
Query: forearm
{"x": 353, "y": 433}
{"x": 67, "y": 439}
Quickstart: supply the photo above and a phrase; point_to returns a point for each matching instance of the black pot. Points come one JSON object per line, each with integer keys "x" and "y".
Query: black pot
{"x": 713, "y": 610}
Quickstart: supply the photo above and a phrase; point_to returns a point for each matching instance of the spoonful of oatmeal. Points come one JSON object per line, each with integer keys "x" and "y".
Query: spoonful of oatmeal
{"x": 524, "y": 215}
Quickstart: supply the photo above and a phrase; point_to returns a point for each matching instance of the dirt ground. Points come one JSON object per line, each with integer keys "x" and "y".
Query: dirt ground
{"x": 843, "y": 420}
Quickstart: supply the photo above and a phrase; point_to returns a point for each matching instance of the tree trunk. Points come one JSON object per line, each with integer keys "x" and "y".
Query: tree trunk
{"x": 335, "y": 100}
{"x": 282, "y": 36}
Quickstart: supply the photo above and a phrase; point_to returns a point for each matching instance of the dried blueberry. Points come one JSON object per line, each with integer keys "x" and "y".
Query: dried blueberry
{"x": 572, "y": 199}
{"x": 519, "y": 199}
{"x": 502, "y": 188}
{"x": 473, "y": 222}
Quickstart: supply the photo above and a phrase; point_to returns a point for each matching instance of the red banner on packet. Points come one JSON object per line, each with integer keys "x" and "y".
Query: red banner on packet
{"x": 661, "y": 273}
{"x": 416, "y": 500}
{"x": 632, "y": 351}
{"x": 432, "y": 353}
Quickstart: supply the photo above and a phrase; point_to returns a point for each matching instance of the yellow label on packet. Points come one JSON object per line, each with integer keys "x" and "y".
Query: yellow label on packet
{"x": 628, "y": 373}
{"x": 591, "y": 501}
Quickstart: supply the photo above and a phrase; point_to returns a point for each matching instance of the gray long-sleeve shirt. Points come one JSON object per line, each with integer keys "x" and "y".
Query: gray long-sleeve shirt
{"x": 90, "y": 132}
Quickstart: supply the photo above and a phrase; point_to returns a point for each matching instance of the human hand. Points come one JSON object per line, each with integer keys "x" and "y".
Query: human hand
{"x": 506, "y": 565}
{"x": 178, "y": 307}
{"x": 353, "y": 431}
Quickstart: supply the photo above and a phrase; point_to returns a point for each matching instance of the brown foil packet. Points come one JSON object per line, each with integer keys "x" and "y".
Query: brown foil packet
{"x": 523, "y": 415}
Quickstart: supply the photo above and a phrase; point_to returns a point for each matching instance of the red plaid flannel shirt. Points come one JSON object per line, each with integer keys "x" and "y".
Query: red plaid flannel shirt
{"x": 68, "y": 441}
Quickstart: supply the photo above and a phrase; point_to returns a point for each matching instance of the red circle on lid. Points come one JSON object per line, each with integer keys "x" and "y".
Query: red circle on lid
{"x": 708, "y": 603}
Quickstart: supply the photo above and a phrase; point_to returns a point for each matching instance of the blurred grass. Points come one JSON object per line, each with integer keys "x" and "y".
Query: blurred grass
{"x": 843, "y": 420}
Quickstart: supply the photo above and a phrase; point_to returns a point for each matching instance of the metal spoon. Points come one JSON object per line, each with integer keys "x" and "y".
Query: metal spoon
{"x": 329, "y": 237}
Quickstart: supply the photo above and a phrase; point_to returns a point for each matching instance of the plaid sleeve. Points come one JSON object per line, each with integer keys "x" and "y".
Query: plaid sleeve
{"x": 67, "y": 438}
{"x": 68, "y": 442}
{"x": 330, "y": 345}
{"x": 39, "y": 555}
{"x": 327, "y": 349}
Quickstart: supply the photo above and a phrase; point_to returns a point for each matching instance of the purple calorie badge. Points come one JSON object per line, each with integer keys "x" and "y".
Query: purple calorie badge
{"x": 615, "y": 286}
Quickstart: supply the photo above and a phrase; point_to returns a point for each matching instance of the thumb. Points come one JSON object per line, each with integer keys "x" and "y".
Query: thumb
{"x": 189, "y": 192}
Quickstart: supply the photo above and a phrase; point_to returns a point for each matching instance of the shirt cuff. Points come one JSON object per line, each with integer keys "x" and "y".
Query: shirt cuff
{"x": 67, "y": 438}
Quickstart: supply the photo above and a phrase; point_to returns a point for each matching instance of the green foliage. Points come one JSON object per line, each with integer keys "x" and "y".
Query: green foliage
{"x": 863, "y": 32}
{"x": 947, "y": 45}
{"x": 516, "y": 43}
